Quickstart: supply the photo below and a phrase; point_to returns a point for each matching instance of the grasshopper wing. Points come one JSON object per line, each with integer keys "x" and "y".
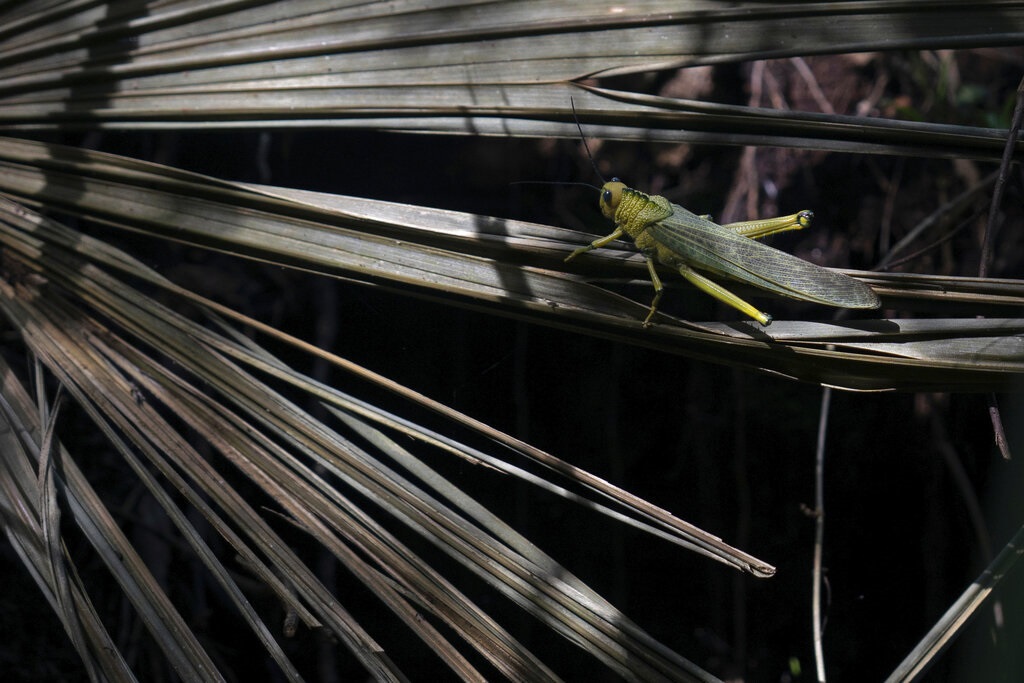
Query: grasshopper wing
{"x": 708, "y": 246}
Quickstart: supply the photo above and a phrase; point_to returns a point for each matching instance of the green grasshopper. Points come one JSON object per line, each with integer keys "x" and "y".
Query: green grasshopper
{"x": 685, "y": 241}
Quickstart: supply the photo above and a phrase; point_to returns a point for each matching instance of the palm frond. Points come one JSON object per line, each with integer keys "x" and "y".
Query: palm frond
{"x": 419, "y": 67}
{"x": 277, "y": 446}
{"x": 510, "y": 267}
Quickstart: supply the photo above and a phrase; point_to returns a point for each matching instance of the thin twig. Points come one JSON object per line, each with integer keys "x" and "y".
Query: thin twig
{"x": 997, "y": 427}
{"x": 955, "y": 205}
{"x": 986, "y": 246}
{"x": 960, "y": 227}
{"x": 1004, "y": 172}
{"x": 805, "y": 72}
{"x": 819, "y": 532}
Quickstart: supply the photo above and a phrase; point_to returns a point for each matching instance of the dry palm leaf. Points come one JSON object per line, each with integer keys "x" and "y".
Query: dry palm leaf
{"x": 511, "y": 268}
{"x": 59, "y": 298}
{"x": 497, "y": 68}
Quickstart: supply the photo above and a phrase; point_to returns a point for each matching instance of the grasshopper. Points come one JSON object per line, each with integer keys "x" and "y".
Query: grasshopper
{"x": 682, "y": 240}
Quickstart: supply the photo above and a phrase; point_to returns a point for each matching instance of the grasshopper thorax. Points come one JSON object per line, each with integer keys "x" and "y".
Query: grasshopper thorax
{"x": 611, "y": 194}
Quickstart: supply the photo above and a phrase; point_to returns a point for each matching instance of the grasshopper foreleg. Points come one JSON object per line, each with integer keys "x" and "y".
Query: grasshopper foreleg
{"x": 597, "y": 244}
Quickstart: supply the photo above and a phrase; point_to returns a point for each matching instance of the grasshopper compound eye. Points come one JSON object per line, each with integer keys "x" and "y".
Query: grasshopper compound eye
{"x": 611, "y": 194}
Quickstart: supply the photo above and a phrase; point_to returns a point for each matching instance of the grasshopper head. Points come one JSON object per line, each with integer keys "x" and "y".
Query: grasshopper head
{"x": 611, "y": 193}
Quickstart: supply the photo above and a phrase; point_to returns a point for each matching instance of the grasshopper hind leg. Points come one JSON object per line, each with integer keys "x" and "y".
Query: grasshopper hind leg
{"x": 722, "y": 294}
{"x": 705, "y": 285}
{"x": 771, "y": 226}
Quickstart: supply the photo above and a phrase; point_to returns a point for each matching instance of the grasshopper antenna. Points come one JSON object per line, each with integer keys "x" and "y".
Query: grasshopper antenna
{"x": 590, "y": 156}
{"x": 583, "y": 138}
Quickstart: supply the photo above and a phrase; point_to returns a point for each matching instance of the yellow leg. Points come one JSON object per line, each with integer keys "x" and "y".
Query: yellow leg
{"x": 769, "y": 226}
{"x": 722, "y": 294}
{"x": 597, "y": 244}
